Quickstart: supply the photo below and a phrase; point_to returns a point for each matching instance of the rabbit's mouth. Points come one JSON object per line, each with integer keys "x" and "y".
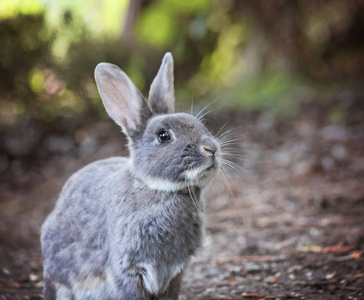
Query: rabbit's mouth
{"x": 209, "y": 171}
{"x": 201, "y": 173}
{"x": 214, "y": 165}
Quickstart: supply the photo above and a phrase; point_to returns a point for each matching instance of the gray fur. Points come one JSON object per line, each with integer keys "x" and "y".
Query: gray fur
{"x": 125, "y": 228}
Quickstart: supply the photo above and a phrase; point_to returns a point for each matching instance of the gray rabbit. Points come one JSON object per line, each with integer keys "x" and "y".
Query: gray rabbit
{"x": 125, "y": 228}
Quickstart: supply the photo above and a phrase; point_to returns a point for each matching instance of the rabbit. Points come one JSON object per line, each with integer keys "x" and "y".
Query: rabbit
{"x": 126, "y": 228}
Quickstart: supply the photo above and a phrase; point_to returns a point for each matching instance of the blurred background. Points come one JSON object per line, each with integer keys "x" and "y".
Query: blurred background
{"x": 249, "y": 55}
{"x": 288, "y": 74}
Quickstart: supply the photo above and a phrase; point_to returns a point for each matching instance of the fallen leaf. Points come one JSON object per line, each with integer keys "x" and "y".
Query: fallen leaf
{"x": 231, "y": 281}
{"x": 271, "y": 279}
{"x": 263, "y": 258}
{"x": 356, "y": 254}
{"x": 294, "y": 268}
{"x": 250, "y": 258}
{"x": 9, "y": 285}
{"x": 351, "y": 288}
{"x": 329, "y": 276}
{"x": 337, "y": 249}
{"x": 312, "y": 248}
{"x": 253, "y": 296}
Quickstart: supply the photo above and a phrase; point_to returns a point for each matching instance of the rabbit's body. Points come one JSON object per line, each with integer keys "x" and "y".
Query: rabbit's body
{"x": 151, "y": 239}
{"x": 125, "y": 228}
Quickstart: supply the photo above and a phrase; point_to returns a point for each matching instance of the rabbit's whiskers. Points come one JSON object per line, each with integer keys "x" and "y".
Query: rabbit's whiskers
{"x": 202, "y": 112}
{"x": 229, "y": 142}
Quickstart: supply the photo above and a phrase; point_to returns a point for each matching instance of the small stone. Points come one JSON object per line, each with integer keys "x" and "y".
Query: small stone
{"x": 33, "y": 277}
{"x": 40, "y": 284}
{"x": 328, "y": 163}
{"x": 309, "y": 275}
{"x": 334, "y": 133}
{"x": 339, "y": 152}
{"x": 329, "y": 276}
{"x": 5, "y": 271}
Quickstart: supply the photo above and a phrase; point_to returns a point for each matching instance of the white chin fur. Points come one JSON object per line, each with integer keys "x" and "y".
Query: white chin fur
{"x": 166, "y": 185}
{"x": 163, "y": 184}
{"x": 194, "y": 174}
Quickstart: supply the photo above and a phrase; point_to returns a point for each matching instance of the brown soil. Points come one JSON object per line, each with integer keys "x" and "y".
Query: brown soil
{"x": 289, "y": 226}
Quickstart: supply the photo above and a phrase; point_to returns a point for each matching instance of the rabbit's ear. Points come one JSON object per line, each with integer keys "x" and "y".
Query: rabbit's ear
{"x": 123, "y": 101}
{"x": 161, "y": 94}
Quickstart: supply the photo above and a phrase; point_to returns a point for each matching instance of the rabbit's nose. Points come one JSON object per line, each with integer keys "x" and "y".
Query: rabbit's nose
{"x": 208, "y": 147}
{"x": 208, "y": 150}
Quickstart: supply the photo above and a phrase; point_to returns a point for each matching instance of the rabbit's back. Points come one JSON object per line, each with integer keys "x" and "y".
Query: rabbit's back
{"x": 74, "y": 236}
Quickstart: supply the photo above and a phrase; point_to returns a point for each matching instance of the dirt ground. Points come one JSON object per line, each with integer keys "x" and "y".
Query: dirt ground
{"x": 290, "y": 225}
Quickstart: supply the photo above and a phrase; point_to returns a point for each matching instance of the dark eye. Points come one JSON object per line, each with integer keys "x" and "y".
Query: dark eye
{"x": 164, "y": 136}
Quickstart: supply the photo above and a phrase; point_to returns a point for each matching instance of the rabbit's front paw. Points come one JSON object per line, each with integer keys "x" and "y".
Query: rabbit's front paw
{"x": 157, "y": 279}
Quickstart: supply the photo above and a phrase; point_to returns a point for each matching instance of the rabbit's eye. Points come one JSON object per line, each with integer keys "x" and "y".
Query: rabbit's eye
{"x": 164, "y": 136}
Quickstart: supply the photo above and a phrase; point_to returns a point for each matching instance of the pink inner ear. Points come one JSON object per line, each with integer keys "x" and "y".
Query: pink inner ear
{"x": 121, "y": 99}
{"x": 161, "y": 94}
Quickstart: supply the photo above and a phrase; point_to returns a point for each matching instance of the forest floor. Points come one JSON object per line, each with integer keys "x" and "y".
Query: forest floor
{"x": 289, "y": 226}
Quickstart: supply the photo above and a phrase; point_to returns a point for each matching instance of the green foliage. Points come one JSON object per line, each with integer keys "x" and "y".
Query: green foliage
{"x": 277, "y": 92}
{"x": 23, "y": 55}
{"x": 48, "y": 51}
{"x": 66, "y": 104}
{"x": 156, "y": 27}
{"x": 337, "y": 114}
{"x": 187, "y": 6}
{"x": 10, "y": 9}
{"x": 160, "y": 23}
{"x": 102, "y": 17}
{"x": 224, "y": 63}
{"x": 36, "y": 80}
